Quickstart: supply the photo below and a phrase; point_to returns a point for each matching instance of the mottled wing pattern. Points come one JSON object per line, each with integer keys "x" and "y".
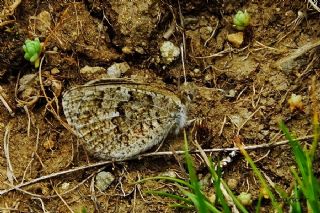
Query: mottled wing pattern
{"x": 119, "y": 118}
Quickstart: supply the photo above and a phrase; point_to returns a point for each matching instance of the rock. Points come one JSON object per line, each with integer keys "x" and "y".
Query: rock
{"x": 169, "y": 173}
{"x": 49, "y": 144}
{"x": 116, "y": 69}
{"x": 245, "y": 198}
{"x": 212, "y": 198}
{"x": 28, "y": 90}
{"x": 42, "y": 23}
{"x": 205, "y": 32}
{"x": 196, "y": 70}
{"x": 231, "y": 93}
{"x": 232, "y": 183}
{"x": 91, "y": 73}
{"x": 169, "y": 52}
{"x": 236, "y": 39}
{"x": 295, "y": 102}
{"x": 104, "y": 180}
{"x": 65, "y": 186}
{"x": 55, "y": 71}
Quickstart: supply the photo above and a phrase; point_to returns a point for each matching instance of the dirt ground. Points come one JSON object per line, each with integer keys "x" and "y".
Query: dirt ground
{"x": 237, "y": 92}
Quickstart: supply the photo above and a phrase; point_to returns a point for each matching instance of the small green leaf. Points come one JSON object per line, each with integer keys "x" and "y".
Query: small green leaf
{"x": 241, "y": 20}
{"x": 33, "y": 58}
{"x": 32, "y": 50}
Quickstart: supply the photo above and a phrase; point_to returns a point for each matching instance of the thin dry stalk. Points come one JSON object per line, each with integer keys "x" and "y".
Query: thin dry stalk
{"x": 223, "y": 189}
{"x": 253, "y": 147}
{"x": 212, "y": 34}
{"x": 5, "y": 103}
{"x": 49, "y": 102}
{"x": 313, "y": 4}
{"x": 286, "y": 62}
{"x": 25, "y": 107}
{"x": 170, "y": 30}
{"x": 93, "y": 194}
{"x": 223, "y": 52}
{"x": 45, "y": 177}
{"x": 183, "y": 46}
{"x": 222, "y": 126}
{"x": 259, "y": 159}
{"x": 64, "y": 202}
{"x": 42, "y": 204}
{"x": 6, "y": 139}
{"x": 32, "y": 156}
{"x": 242, "y": 125}
{"x": 134, "y": 199}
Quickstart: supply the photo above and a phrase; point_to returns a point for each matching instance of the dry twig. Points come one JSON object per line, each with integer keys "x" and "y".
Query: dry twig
{"x": 10, "y": 173}
{"x": 314, "y": 5}
{"x": 5, "y": 103}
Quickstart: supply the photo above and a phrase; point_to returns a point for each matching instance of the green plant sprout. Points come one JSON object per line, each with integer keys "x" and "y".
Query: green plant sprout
{"x": 241, "y": 20}
{"x": 32, "y": 50}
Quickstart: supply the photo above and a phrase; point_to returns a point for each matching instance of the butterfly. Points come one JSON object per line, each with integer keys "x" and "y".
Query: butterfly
{"x": 121, "y": 118}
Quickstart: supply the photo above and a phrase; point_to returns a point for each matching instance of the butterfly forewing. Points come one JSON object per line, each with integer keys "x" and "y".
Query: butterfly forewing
{"x": 118, "y": 119}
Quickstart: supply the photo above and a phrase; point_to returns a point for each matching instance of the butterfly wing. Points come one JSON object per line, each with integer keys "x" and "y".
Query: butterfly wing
{"x": 120, "y": 120}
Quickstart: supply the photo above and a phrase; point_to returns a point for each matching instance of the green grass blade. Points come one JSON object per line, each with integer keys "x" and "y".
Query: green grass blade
{"x": 83, "y": 210}
{"x": 219, "y": 193}
{"x": 169, "y": 195}
{"x": 172, "y": 179}
{"x": 316, "y": 130}
{"x": 259, "y": 203}
{"x": 194, "y": 179}
{"x": 281, "y": 192}
{"x": 178, "y": 205}
{"x": 262, "y": 181}
{"x": 298, "y": 152}
{"x": 234, "y": 198}
{"x": 295, "y": 201}
{"x": 195, "y": 199}
{"x": 309, "y": 183}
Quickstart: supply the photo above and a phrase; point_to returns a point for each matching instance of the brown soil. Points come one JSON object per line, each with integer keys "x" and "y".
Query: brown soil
{"x": 239, "y": 93}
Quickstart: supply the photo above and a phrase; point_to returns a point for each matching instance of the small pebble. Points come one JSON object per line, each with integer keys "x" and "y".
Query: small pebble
{"x": 55, "y": 71}
{"x": 231, "y": 93}
{"x": 116, "y": 69}
{"x": 232, "y": 183}
{"x": 245, "y": 198}
{"x": 196, "y": 70}
{"x": 104, "y": 180}
{"x": 212, "y": 198}
{"x": 236, "y": 39}
{"x": 65, "y": 186}
{"x": 169, "y": 52}
{"x": 49, "y": 144}
{"x": 127, "y": 50}
{"x": 42, "y": 22}
{"x": 169, "y": 173}
{"x": 93, "y": 72}
{"x": 295, "y": 102}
